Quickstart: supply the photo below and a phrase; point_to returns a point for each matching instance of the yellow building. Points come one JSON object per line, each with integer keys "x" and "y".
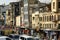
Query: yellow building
{"x": 18, "y": 21}
{"x": 8, "y": 18}
{"x": 48, "y": 19}
{"x": 35, "y": 20}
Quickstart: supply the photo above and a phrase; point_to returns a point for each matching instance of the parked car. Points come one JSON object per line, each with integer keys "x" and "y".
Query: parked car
{"x": 36, "y": 38}
{"x": 14, "y": 36}
{"x": 5, "y": 38}
{"x": 25, "y": 37}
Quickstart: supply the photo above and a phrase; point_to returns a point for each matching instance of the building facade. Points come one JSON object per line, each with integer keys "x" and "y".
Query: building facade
{"x": 3, "y": 9}
{"x": 14, "y": 10}
{"x": 8, "y": 18}
{"x": 35, "y": 20}
{"x": 18, "y": 21}
{"x": 32, "y": 7}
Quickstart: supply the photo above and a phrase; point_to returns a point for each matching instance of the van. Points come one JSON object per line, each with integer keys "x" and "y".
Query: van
{"x": 25, "y": 37}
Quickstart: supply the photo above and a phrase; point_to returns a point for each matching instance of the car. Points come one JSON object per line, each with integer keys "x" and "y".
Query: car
{"x": 14, "y": 36}
{"x": 25, "y": 37}
{"x": 36, "y": 38}
{"x": 5, "y": 38}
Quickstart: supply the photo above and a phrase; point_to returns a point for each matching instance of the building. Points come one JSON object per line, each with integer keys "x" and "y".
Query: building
{"x": 1, "y": 20}
{"x": 18, "y": 21}
{"x": 35, "y": 20}
{"x": 47, "y": 20}
{"x": 3, "y": 9}
{"x": 32, "y": 7}
{"x": 8, "y": 18}
{"x": 15, "y": 11}
{"x": 50, "y": 19}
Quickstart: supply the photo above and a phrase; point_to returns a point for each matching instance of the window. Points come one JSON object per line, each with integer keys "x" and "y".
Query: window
{"x": 50, "y": 17}
{"x": 33, "y": 18}
{"x": 16, "y": 36}
{"x": 8, "y": 39}
{"x": 50, "y": 25}
{"x": 40, "y": 18}
{"x": 40, "y": 24}
{"x": 53, "y": 5}
{"x": 58, "y": 17}
{"x": 43, "y": 25}
{"x": 44, "y": 18}
{"x": 9, "y": 14}
{"x": 54, "y": 17}
{"x": 58, "y": 4}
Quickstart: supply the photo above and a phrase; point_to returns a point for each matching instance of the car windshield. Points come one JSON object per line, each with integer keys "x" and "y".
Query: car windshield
{"x": 36, "y": 39}
{"x": 8, "y": 39}
{"x": 29, "y": 38}
{"x": 16, "y": 36}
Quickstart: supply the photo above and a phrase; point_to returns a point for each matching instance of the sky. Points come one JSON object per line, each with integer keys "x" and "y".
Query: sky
{"x": 8, "y": 1}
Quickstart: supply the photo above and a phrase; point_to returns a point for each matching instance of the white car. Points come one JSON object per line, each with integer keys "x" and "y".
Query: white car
{"x": 5, "y": 38}
{"x": 36, "y": 38}
{"x": 25, "y": 37}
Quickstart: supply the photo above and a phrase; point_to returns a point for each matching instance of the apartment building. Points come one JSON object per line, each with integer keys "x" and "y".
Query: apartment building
{"x": 8, "y": 18}
{"x": 15, "y": 11}
{"x": 18, "y": 21}
{"x": 47, "y": 20}
{"x": 50, "y": 20}
{"x": 49, "y": 16}
{"x": 32, "y": 6}
{"x": 3, "y": 9}
{"x": 35, "y": 20}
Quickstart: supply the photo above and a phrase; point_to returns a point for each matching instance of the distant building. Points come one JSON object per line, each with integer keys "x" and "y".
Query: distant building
{"x": 51, "y": 19}
{"x": 3, "y": 9}
{"x": 8, "y": 18}
{"x": 15, "y": 11}
{"x": 18, "y": 21}
{"x": 35, "y": 20}
{"x": 32, "y": 7}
